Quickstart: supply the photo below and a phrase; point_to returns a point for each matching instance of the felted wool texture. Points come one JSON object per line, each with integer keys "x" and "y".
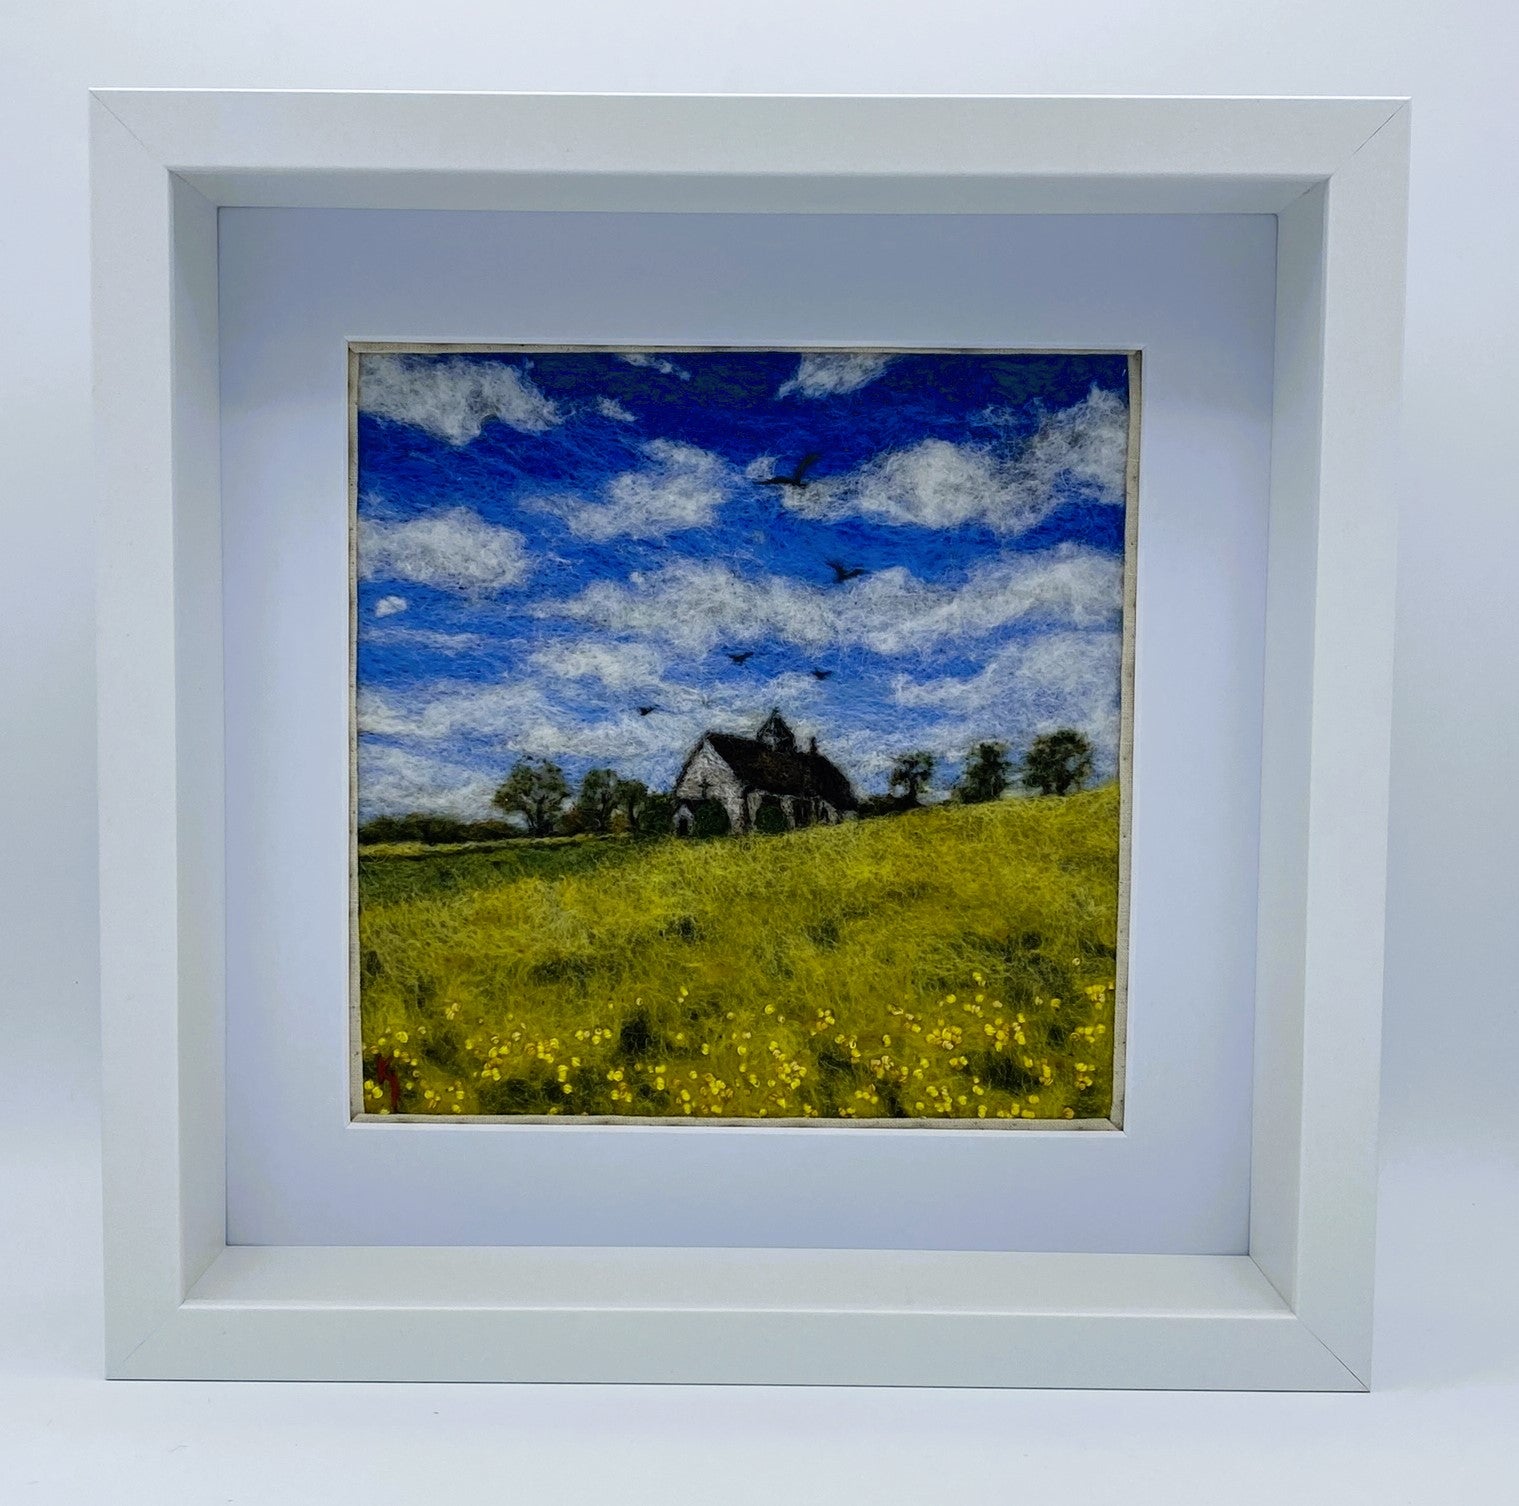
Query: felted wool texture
{"x": 739, "y": 732}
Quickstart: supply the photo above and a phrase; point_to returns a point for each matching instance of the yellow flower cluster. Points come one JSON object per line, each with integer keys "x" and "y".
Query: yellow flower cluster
{"x": 954, "y": 1057}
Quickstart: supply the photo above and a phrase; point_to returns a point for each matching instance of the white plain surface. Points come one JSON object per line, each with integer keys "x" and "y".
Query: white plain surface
{"x": 1195, "y": 294}
{"x": 1447, "y": 1376}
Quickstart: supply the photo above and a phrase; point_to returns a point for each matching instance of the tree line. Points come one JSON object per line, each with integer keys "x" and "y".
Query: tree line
{"x": 536, "y": 791}
{"x": 1056, "y": 763}
{"x": 536, "y": 800}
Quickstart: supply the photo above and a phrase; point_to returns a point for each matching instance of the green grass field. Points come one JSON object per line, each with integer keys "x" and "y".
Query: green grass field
{"x": 953, "y": 962}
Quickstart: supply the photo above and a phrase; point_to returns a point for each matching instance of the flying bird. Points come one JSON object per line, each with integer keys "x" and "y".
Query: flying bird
{"x": 740, "y": 658}
{"x": 821, "y": 674}
{"x": 795, "y": 479}
{"x": 646, "y": 710}
{"x": 843, "y": 572}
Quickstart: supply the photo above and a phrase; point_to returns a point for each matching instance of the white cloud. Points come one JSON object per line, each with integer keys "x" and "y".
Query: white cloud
{"x": 379, "y": 713}
{"x": 1061, "y": 678}
{"x": 939, "y": 484}
{"x": 618, "y": 666}
{"x": 529, "y": 721}
{"x": 830, "y": 375}
{"x": 520, "y": 719}
{"x": 454, "y": 550}
{"x": 695, "y": 606}
{"x": 681, "y": 487}
{"x": 609, "y": 407}
{"x": 434, "y": 638}
{"x": 654, "y": 363}
{"x": 446, "y": 708}
{"x": 452, "y": 397}
{"x": 388, "y": 606}
{"x": 1028, "y": 687}
{"x": 1085, "y": 445}
{"x": 398, "y": 782}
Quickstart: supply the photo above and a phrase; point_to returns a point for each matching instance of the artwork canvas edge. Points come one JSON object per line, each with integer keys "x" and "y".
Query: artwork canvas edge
{"x": 1114, "y": 1122}
{"x": 355, "y": 1051}
{"x": 1126, "y": 739}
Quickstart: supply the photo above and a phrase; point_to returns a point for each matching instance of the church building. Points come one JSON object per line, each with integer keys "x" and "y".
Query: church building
{"x": 747, "y": 775}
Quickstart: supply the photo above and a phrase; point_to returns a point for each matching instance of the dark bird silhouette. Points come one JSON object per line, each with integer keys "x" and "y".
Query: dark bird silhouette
{"x": 741, "y": 658}
{"x": 646, "y": 710}
{"x": 843, "y": 572}
{"x": 795, "y": 479}
{"x": 821, "y": 674}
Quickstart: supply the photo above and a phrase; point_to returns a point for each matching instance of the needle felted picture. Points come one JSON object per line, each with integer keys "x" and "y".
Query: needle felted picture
{"x": 742, "y": 734}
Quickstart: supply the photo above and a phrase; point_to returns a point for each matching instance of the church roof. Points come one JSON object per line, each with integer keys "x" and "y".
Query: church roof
{"x": 783, "y": 771}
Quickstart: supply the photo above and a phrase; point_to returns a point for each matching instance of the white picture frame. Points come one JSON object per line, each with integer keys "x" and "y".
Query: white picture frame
{"x": 1292, "y": 1313}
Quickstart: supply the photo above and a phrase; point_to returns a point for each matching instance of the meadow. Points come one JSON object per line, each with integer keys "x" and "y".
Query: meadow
{"x": 952, "y": 962}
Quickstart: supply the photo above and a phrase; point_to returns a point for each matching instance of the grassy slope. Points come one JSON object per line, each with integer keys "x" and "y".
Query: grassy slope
{"x": 957, "y": 961}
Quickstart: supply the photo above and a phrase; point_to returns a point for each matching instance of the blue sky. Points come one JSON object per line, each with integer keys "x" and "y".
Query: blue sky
{"x": 550, "y": 541}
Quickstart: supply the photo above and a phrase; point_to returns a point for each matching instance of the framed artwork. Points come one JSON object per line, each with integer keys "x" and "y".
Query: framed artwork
{"x": 587, "y": 805}
{"x": 742, "y": 734}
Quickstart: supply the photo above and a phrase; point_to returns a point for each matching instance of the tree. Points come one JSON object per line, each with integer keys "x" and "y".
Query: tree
{"x": 535, "y": 790}
{"x": 419, "y": 826}
{"x": 597, "y": 798}
{"x": 911, "y": 774}
{"x": 631, "y": 795}
{"x": 656, "y": 816}
{"x": 1057, "y": 762}
{"x": 987, "y": 773}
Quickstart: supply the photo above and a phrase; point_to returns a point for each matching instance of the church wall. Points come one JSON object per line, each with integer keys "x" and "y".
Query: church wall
{"x": 708, "y": 777}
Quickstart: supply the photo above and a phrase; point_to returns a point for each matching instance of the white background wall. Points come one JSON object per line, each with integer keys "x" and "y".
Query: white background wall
{"x": 1447, "y": 1338}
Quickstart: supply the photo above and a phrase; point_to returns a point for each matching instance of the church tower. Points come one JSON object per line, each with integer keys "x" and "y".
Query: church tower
{"x": 776, "y": 735}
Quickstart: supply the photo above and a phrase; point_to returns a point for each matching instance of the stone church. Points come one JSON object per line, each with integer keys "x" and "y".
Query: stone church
{"x": 747, "y": 774}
